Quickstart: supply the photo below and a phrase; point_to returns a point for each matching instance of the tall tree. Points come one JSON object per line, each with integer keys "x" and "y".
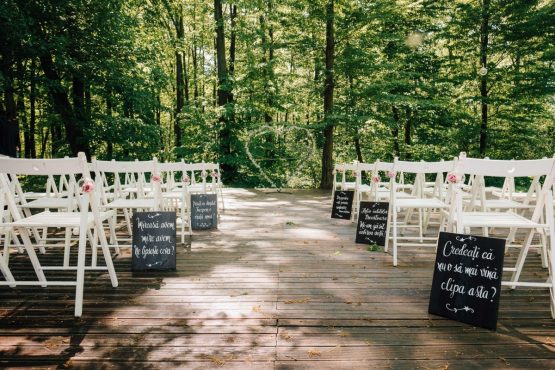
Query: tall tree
{"x": 326, "y": 181}
{"x": 484, "y": 37}
{"x": 224, "y": 97}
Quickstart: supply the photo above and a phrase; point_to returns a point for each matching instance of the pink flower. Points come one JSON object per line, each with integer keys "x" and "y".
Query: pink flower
{"x": 391, "y": 174}
{"x": 156, "y": 178}
{"x": 88, "y": 186}
{"x": 452, "y": 178}
{"x": 186, "y": 179}
{"x": 376, "y": 179}
{"x": 354, "y": 173}
{"x": 214, "y": 174}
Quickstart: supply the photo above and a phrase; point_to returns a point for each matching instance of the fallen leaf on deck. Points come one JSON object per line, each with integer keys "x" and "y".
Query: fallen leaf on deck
{"x": 300, "y": 300}
{"x": 214, "y": 359}
{"x": 285, "y": 336}
{"x": 313, "y": 353}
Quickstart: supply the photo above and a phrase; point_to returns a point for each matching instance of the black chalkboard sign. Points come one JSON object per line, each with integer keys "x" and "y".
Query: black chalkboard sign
{"x": 153, "y": 241}
{"x": 372, "y": 223}
{"x": 204, "y": 211}
{"x": 467, "y": 279}
{"x": 342, "y": 204}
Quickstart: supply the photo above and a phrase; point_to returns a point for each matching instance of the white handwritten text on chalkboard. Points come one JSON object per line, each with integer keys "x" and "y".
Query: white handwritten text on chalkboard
{"x": 467, "y": 278}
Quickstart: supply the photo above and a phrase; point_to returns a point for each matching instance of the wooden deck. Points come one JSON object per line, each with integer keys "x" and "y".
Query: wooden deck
{"x": 280, "y": 285}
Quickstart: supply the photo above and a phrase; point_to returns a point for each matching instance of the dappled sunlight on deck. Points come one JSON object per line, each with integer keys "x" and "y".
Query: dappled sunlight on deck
{"x": 278, "y": 285}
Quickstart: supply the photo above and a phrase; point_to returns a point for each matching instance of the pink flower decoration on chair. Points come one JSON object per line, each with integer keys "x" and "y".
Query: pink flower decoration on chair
{"x": 186, "y": 179}
{"x": 376, "y": 179}
{"x": 452, "y": 178}
{"x": 214, "y": 174}
{"x": 156, "y": 178}
{"x": 88, "y": 186}
{"x": 391, "y": 174}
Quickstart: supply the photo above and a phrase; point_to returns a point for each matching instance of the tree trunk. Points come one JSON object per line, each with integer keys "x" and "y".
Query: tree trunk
{"x": 224, "y": 97}
{"x": 408, "y": 138}
{"x": 33, "y": 115}
{"x": 180, "y": 85}
{"x": 327, "y": 152}
{"x": 109, "y": 107}
{"x": 9, "y": 127}
{"x": 395, "y": 132}
{"x": 22, "y": 111}
{"x": 484, "y": 34}
{"x": 195, "y": 55}
{"x": 74, "y": 134}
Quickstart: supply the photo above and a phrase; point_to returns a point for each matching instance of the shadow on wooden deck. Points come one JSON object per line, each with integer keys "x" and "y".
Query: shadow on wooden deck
{"x": 278, "y": 285}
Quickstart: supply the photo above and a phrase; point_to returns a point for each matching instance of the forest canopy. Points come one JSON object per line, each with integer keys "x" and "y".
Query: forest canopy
{"x": 277, "y": 91}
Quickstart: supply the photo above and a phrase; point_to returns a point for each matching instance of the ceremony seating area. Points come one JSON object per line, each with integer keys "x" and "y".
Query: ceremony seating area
{"x": 460, "y": 196}
{"x": 74, "y": 211}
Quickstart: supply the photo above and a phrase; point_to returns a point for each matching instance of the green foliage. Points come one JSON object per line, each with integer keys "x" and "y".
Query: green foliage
{"x": 406, "y": 73}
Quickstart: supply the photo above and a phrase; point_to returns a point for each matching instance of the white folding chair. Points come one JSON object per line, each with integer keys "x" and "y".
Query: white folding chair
{"x": 541, "y": 221}
{"x": 419, "y": 200}
{"x": 176, "y": 194}
{"x": 82, "y": 221}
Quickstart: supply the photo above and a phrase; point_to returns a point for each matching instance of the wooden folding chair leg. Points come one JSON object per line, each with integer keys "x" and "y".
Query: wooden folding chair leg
{"x": 394, "y": 221}
{"x": 32, "y": 255}
{"x": 67, "y": 246}
{"x": 108, "y": 258}
{"x": 6, "y": 272}
{"x": 113, "y": 236}
{"x": 93, "y": 238}
{"x": 522, "y": 257}
{"x": 81, "y": 252}
{"x": 387, "y": 231}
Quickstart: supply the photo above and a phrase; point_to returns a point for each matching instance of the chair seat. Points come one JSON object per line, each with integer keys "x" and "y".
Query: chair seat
{"x": 420, "y": 203}
{"x": 197, "y": 188}
{"x": 54, "y": 203}
{"x": 497, "y": 219}
{"x": 174, "y": 194}
{"x": 36, "y": 195}
{"x": 502, "y": 203}
{"x": 347, "y": 185}
{"x": 57, "y": 219}
{"x": 132, "y": 203}
{"x": 519, "y": 195}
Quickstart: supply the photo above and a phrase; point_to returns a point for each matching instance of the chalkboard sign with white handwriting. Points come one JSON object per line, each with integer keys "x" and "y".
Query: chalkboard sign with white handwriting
{"x": 467, "y": 279}
{"x": 372, "y": 223}
{"x": 342, "y": 204}
{"x": 153, "y": 241}
{"x": 204, "y": 211}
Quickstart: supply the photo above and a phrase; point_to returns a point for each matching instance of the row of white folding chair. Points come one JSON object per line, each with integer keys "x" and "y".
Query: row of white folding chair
{"x": 123, "y": 186}
{"x": 541, "y": 221}
{"x": 420, "y": 201}
{"x": 347, "y": 173}
{"x": 87, "y": 224}
{"x": 203, "y": 171}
